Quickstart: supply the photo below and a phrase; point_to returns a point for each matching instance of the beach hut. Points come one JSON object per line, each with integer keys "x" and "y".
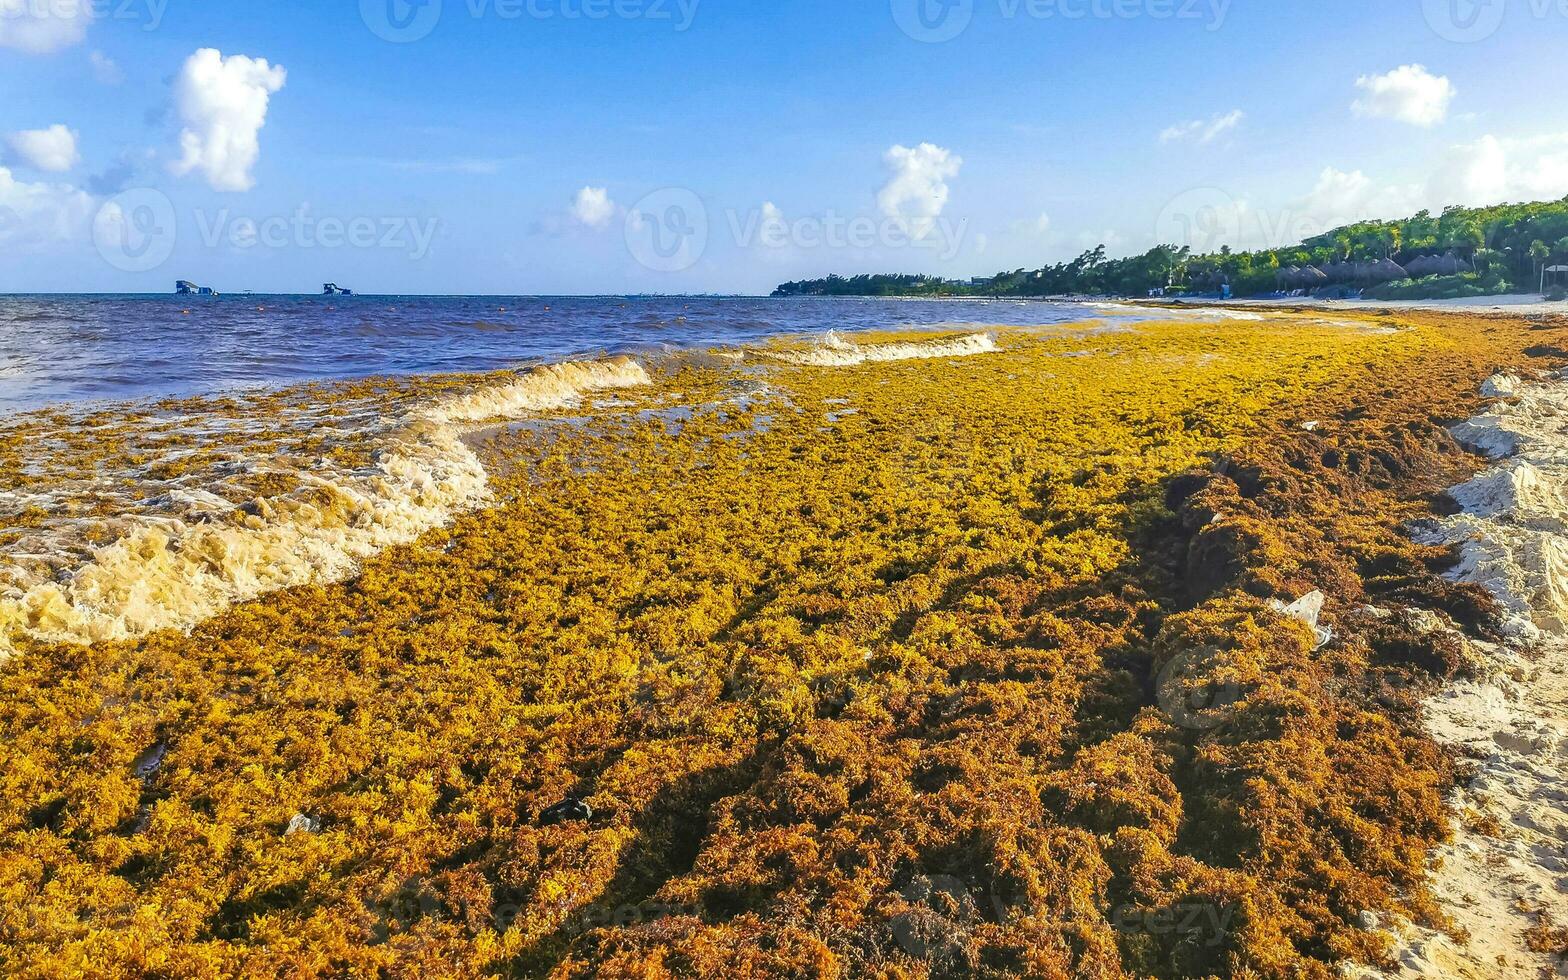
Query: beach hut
{"x": 1388, "y": 271}
{"x": 1555, "y": 273}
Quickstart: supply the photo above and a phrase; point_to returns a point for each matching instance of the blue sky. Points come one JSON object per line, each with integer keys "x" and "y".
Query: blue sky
{"x": 521, "y": 146}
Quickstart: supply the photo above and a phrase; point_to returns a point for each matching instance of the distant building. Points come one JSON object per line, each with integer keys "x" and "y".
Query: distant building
{"x": 185, "y": 287}
{"x": 333, "y": 289}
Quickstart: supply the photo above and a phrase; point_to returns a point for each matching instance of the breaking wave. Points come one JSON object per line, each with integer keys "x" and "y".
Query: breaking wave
{"x": 173, "y": 572}
{"x": 833, "y": 350}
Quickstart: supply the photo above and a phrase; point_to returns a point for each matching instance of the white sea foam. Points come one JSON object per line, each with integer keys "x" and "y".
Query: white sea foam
{"x": 169, "y": 572}
{"x": 834, "y": 350}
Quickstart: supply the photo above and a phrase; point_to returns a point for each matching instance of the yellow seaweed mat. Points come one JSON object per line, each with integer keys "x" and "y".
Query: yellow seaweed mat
{"x": 910, "y": 668}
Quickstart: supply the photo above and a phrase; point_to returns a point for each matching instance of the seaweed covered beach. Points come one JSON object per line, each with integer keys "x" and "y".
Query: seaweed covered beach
{"x": 1092, "y": 650}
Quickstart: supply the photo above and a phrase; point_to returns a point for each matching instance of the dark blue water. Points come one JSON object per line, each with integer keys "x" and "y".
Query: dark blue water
{"x": 56, "y": 349}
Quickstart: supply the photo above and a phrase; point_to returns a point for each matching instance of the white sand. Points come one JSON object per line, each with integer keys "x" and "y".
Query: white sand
{"x": 1523, "y": 304}
{"x": 1513, "y": 536}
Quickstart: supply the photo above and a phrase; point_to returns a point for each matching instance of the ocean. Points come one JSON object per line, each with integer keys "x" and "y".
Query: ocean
{"x": 71, "y": 349}
{"x": 162, "y": 458}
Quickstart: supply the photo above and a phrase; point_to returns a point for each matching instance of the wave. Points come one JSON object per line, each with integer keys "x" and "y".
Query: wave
{"x": 174, "y": 573}
{"x": 833, "y": 350}
{"x": 551, "y": 386}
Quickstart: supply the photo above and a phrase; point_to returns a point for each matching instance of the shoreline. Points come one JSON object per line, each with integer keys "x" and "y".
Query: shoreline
{"x": 878, "y": 587}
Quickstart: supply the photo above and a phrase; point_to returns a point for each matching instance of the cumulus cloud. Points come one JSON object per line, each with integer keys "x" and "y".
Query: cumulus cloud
{"x": 592, "y": 207}
{"x": 1488, "y": 171}
{"x": 1410, "y": 94}
{"x": 1203, "y": 131}
{"x": 52, "y": 150}
{"x": 40, "y": 213}
{"x": 1493, "y": 170}
{"x": 1342, "y": 197}
{"x": 223, "y": 105}
{"x": 43, "y": 26}
{"x": 917, "y": 191}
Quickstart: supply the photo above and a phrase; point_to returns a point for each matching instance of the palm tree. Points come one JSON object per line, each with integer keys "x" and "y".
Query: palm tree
{"x": 1539, "y": 253}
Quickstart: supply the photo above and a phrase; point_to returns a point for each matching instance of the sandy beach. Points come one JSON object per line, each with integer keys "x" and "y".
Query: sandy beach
{"x": 1132, "y": 647}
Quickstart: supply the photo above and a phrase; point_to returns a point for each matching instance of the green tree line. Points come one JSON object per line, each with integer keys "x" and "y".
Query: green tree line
{"x": 1505, "y": 248}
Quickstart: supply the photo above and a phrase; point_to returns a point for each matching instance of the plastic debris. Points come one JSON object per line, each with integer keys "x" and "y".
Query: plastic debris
{"x": 1307, "y": 609}
{"x": 567, "y": 810}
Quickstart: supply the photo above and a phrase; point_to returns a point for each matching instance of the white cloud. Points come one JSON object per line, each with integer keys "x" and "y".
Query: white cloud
{"x": 43, "y": 26}
{"x": 593, "y": 207}
{"x": 1342, "y": 197}
{"x": 1410, "y": 94}
{"x": 52, "y": 149}
{"x": 1493, "y": 170}
{"x": 772, "y": 230}
{"x": 223, "y": 104}
{"x": 1039, "y": 227}
{"x": 1204, "y": 131}
{"x": 40, "y": 213}
{"x": 917, "y": 192}
{"x": 105, "y": 69}
{"x": 1486, "y": 172}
